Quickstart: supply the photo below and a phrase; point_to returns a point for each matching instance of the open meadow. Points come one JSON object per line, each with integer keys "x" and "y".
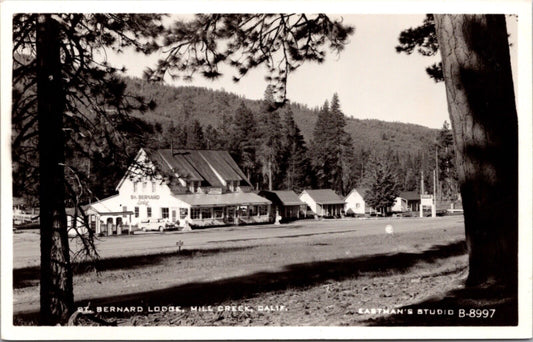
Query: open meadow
{"x": 328, "y": 272}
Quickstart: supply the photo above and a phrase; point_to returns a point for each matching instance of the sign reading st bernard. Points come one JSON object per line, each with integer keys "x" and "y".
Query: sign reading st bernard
{"x": 145, "y": 197}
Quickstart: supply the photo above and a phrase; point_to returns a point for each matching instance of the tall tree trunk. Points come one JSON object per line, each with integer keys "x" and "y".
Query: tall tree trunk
{"x": 56, "y": 274}
{"x": 481, "y": 103}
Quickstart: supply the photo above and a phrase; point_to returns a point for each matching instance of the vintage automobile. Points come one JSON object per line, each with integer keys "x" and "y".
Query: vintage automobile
{"x": 157, "y": 224}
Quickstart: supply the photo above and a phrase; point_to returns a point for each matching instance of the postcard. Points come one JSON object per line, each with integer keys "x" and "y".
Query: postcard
{"x": 266, "y": 170}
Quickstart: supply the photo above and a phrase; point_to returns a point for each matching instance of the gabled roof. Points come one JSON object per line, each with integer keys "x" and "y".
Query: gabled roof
{"x": 410, "y": 195}
{"x": 285, "y": 197}
{"x": 213, "y": 168}
{"x": 179, "y": 163}
{"x": 224, "y": 164}
{"x": 360, "y": 190}
{"x": 324, "y": 196}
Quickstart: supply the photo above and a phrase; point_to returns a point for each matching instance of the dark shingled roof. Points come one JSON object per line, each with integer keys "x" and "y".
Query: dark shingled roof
{"x": 325, "y": 196}
{"x": 199, "y": 165}
{"x": 410, "y": 195}
{"x": 285, "y": 197}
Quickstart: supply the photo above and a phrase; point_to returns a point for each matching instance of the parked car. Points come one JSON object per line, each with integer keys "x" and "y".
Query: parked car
{"x": 157, "y": 224}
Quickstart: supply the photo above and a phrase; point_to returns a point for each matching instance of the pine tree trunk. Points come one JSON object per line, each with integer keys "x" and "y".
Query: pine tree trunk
{"x": 481, "y": 103}
{"x": 56, "y": 274}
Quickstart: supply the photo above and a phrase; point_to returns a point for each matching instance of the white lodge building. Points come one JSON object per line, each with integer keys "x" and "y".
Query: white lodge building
{"x": 200, "y": 187}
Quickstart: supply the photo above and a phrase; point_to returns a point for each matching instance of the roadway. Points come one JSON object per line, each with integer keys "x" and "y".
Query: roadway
{"x": 26, "y": 243}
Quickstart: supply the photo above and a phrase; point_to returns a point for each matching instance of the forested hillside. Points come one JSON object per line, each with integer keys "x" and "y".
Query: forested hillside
{"x": 277, "y": 148}
{"x": 194, "y": 117}
{"x": 209, "y": 107}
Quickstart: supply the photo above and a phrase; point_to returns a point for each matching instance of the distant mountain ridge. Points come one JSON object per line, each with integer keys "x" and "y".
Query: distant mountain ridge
{"x": 179, "y": 104}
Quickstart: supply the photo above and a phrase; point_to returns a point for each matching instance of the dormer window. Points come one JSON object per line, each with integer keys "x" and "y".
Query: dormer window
{"x": 193, "y": 186}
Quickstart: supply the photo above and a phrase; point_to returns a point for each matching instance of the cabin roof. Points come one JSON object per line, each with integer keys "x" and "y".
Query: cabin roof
{"x": 285, "y": 197}
{"x": 324, "y": 196}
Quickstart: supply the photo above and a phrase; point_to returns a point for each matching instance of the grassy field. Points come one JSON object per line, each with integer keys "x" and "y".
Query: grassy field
{"x": 307, "y": 277}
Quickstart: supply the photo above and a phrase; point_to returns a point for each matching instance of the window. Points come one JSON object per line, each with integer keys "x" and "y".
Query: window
{"x": 195, "y": 213}
{"x": 206, "y": 213}
{"x": 153, "y": 186}
{"x": 253, "y": 210}
{"x": 193, "y": 186}
{"x": 231, "y": 212}
{"x": 183, "y": 213}
{"x": 136, "y": 211}
{"x": 135, "y": 186}
{"x": 124, "y": 208}
{"x": 219, "y": 212}
{"x": 263, "y": 209}
{"x": 148, "y": 212}
{"x": 144, "y": 185}
{"x": 243, "y": 211}
{"x": 357, "y": 205}
{"x": 164, "y": 213}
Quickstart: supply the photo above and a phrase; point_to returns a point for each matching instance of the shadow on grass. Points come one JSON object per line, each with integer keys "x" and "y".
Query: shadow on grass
{"x": 296, "y": 236}
{"x": 478, "y": 306}
{"x": 291, "y": 276}
{"x": 29, "y": 276}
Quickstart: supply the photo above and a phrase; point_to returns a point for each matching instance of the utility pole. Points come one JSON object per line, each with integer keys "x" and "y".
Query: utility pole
{"x": 421, "y": 192}
{"x": 434, "y": 207}
{"x": 269, "y": 175}
{"x": 436, "y": 170}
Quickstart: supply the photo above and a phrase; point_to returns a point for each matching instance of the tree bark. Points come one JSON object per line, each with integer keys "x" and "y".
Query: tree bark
{"x": 479, "y": 88}
{"x": 56, "y": 295}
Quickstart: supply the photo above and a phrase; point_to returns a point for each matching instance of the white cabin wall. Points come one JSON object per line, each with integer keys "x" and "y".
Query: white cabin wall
{"x": 304, "y": 197}
{"x": 351, "y": 203}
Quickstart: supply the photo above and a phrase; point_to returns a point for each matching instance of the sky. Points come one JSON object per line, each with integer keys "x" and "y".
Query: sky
{"x": 372, "y": 80}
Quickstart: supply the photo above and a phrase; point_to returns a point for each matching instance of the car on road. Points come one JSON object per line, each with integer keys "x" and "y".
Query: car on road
{"x": 157, "y": 224}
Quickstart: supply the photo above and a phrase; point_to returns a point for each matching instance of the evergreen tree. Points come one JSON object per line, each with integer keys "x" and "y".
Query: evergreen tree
{"x": 481, "y": 103}
{"x": 269, "y": 153}
{"x": 55, "y": 57}
{"x": 332, "y": 150}
{"x": 382, "y": 183}
{"x": 195, "y": 136}
{"x": 338, "y": 140}
{"x": 243, "y": 140}
{"x": 320, "y": 149}
{"x": 225, "y": 131}
{"x": 446, "y": 154}
{"x": 295, "y": 160}
{"x": 212, "y": 139}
